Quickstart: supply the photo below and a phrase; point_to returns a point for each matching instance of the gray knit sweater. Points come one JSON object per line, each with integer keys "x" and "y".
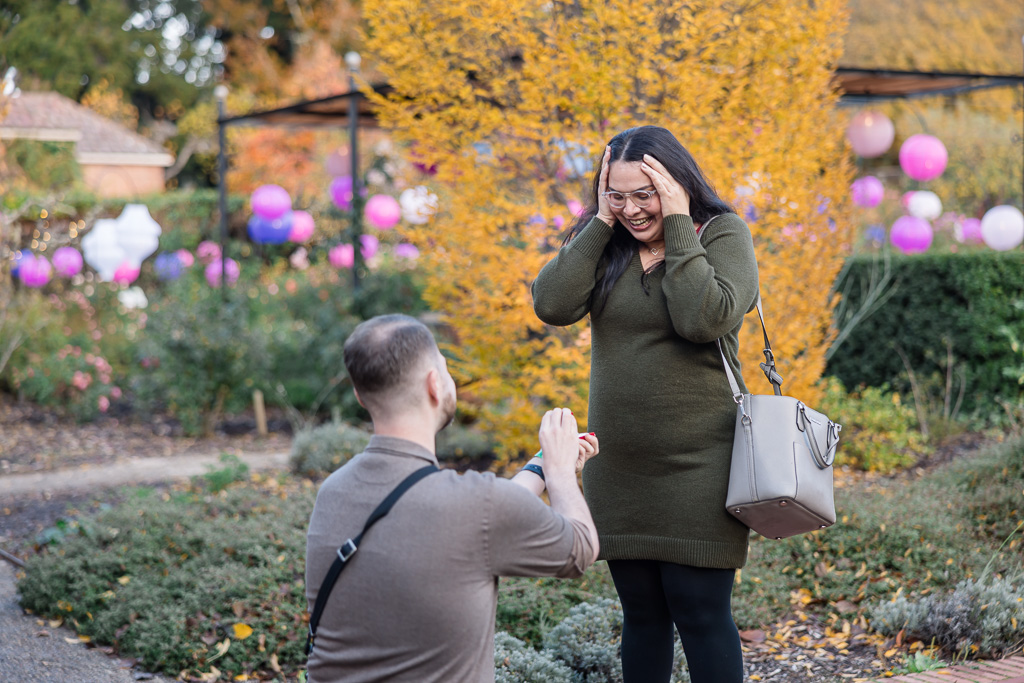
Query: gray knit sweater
{"x": 660, "y": 402}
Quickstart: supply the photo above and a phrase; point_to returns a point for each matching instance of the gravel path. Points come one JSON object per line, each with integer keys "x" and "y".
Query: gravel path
{"x": 34, "y": 652}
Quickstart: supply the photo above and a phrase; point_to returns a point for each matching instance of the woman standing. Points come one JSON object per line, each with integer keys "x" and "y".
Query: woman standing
{"x": 664, "y": 267}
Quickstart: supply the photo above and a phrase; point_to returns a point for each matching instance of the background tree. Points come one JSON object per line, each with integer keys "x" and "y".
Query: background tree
{"x": 513, "y": 99}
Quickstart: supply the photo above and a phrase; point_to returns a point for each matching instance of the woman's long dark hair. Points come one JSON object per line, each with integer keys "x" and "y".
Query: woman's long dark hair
{"x": 632, "y": 145}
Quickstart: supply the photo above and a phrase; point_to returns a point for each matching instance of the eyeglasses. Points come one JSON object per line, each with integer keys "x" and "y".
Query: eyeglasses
{"x": 641, "y": 198}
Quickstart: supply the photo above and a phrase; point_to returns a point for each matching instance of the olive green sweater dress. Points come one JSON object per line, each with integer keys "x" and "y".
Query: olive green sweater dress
{"x": 660, "y": 402}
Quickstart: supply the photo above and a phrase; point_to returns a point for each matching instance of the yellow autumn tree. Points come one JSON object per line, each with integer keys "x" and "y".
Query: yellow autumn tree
{"x": 509, "y": 98}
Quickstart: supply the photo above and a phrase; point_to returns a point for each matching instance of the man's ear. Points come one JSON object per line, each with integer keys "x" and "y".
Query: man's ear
{"x": 358, "y": 398}
{"x": 434, "y": 385}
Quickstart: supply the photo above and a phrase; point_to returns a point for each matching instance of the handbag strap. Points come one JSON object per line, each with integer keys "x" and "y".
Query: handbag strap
{"x": 768, "y": 367}
{"x": 349, "y": 547}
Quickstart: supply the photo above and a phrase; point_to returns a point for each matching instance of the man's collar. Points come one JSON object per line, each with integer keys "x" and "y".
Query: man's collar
{"x": 392, "y": 445}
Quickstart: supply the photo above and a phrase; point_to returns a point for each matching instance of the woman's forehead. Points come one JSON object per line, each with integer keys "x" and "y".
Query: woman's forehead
{"x": 626, "y": 176}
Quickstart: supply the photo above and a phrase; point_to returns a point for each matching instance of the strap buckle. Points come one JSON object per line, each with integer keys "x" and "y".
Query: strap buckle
{"x": 768, "y": 367}
{"x": 347, "y": 549}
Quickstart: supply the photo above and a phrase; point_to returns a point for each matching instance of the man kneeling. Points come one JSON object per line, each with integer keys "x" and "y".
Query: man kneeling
{"x": 417, "y": 601}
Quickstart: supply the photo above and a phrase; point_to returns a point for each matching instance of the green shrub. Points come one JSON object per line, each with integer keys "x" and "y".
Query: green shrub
{"x": 318, "y": 451}
{"x": 517, "y": 662}
{"x": 956, "y": 299}
{"x": 460, "y": 441}
{"x": 991, "y": 490}
{"x": 879, "y": 432}
{"x": 233, "y": 470}
{"x": 529, "y": 607}
{"x": 979, "y": 618}
{"x": 165, "y": 579}
{"x": 203, "y": 352}
{"x": 48, "y": 165}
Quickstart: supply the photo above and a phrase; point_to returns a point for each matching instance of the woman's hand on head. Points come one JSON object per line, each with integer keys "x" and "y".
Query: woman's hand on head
{"x": 589, "y": 447}
{"x": 673, "y": 196}
{"x": 604, "y": 209}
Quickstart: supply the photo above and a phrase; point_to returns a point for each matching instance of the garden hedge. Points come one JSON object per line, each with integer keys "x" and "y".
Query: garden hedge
{"x": 968, "y": 299}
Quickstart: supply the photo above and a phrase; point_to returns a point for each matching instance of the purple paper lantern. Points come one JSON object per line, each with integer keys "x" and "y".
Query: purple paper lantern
{"x": 34, "y": 270}
{"x": 383, "y": 211}
{"x": 168, "y": 266}
{"x": 342, "y": 256}
{"x": 271, "y": 201}
{"x": 341, "y": 192}
{"x": 875, "y": 233}
{"x": 406, "y": 251}
{"x": 870, "y": 134}
{"x": 923, "y": 157}
{"x": 302, "y": 227}
{"x": 867, "y": 191}
{"x": 67, "y": 261}
{"x": 970, "y": 231}
{"x": 911, "y": 235}
{"x": 270, "y": 231}
{"x": 213, "y": 272}
{"x": 368, "y": 246}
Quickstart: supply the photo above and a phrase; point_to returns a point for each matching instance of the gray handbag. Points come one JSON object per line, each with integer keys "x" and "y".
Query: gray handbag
{"x": 780, "y": 483}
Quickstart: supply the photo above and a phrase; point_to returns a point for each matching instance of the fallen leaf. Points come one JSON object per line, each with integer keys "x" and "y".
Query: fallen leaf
{"x": 753, "y": 636}
{"x": 273, "y": 663}
{"x": 845, "y": 606}
{"x": 242, "y": 631}
{"x": 55, "y": 623}
{"x": 124, "y": 580}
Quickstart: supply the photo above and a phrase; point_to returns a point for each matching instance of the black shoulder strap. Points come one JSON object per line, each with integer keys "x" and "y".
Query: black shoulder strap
{"x": 349, "y": 547}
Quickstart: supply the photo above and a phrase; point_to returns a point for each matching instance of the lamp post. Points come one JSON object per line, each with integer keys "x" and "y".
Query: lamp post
{"x": 352, "y": 61}
{"x": 221, "y": 93}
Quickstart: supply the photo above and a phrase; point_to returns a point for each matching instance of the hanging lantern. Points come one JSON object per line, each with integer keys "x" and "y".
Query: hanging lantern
{"x": 34, "y": 270}
{"x": 186, "y": 257}
{"x": 925, "y": 204}
{"x": 407, "y": 252}
{"x": 270, "y": 201}
{"x": 341, "y": 256}
{"x": 923, "y": 157}
{"x": 870, "y": 133}
{"x": 213, "y": 272}
{"x": 368, "y": 246}
{"x": 126, "y": 273}
{"x": 418, "y": 204}
{"x": 911, "y": 235}
{"x": 168, "y": 266}
{"x": 270, "y": 231}
{"x": 867, "y": 191}
{"x": 137, "y": 233}
{"x": 102, "y": 250}
{"x": 67, "y": 261}
{"x": 1002, "y": 228}
{"x": 383, "y": 211}
{"x": 302, "y": 227}
{"x": 341, "y": 192}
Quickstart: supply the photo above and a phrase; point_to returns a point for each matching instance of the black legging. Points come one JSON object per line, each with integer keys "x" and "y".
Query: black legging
{"x": 655, "y": 595}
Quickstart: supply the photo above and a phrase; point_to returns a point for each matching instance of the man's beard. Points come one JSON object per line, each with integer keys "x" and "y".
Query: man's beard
{"x": 449, "y": 406}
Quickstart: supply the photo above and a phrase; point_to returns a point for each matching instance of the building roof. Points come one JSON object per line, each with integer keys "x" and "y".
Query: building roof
{"x": 52, "y": 117}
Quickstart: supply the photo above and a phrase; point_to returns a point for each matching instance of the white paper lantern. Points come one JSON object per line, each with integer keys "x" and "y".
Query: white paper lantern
{"x": 925, "y": 204}
{"x": 101, "y": 249}
{"x": 137, "y": 233}
{"x": 1002, "y": 227}
{"x": 418, "y": 204}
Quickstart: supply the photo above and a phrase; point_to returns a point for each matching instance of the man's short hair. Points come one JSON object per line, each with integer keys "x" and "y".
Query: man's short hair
{"x": 381, "y": 352}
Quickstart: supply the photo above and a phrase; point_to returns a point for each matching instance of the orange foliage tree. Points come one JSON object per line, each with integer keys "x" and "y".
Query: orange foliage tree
{"x": 498, "y": 94}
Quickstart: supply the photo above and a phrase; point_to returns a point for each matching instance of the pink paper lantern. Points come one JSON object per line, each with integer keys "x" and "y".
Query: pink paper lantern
{"x": 208, "y": 251}
{"x": 923, "y": 157}
{"x": 911, "y": 235}
{"x": 126, "y": 274}
{"x": 271, "y": 201}
{"x": 34, "y": 270}
{"x": 67, "y": 261}
{"x": 383, "y": 211}
{"x": 970, "y": 231}
{"x": 342, "y": 256}
{"x": 337, "y": 163}
{"x": 870, "y": 134}
{"x": 341, "y": 192}
{"x": 867, "y": 191}
{"x": 368, "y": 246}
{"x": 213, "y": 272}
{"x": 905, "y": 199}
{"x": 575, "y": 208}
{"x": 302, "y": 227}
{"x": 186, "y": 258}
